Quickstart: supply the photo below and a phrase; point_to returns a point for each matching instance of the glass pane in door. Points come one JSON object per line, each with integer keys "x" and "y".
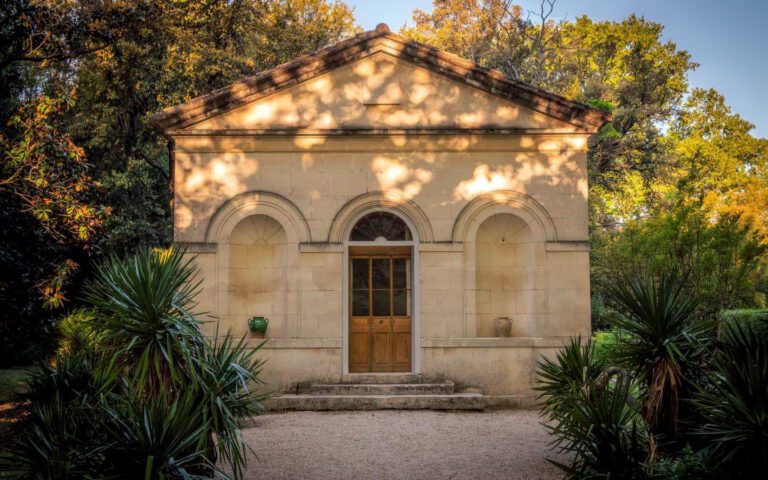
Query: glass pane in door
{"x": 401, "y": 284}
{"x": 360, "y": 291}
{"x": 380, "y": 273}
{"x": 381, "y": 303}
{"x": 381, "y": 286}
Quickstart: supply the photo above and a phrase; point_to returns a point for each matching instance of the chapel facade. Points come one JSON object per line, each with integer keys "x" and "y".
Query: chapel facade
{"x": 389, "y": 208}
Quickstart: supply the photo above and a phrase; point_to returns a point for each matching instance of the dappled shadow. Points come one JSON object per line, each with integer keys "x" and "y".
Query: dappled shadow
{"x": 377, "y": 124}
{"x": 380, "y": 91}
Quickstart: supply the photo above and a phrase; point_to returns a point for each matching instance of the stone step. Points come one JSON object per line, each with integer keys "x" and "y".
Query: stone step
{"x": 454, "y": 401}
{"x": 369, "y": 378}
{"x": 444, "y": 388}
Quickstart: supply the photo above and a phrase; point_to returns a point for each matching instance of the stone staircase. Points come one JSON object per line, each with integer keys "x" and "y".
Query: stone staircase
{"x": 380, "y": 391}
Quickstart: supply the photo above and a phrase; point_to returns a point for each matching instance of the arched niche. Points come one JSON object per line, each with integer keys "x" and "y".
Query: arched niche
{"x": 263, "y": 203}
{"x": 505, "y": 275}
{"x": 257, "y": 273}
{"x": 504, "y": 235}
{"x": 504, "y": 201}
{"x": 257, "y": 236}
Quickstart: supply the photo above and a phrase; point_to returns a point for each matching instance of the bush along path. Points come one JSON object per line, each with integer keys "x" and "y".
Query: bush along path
{"x": 677, "y": 397}
{"x": 144, "y": 394}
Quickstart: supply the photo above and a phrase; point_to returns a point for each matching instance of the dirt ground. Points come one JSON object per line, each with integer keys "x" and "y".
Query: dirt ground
{"x": 508, "y": 444}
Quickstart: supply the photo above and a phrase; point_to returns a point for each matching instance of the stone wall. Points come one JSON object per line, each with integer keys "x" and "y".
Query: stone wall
{"x": 502, "y": 224}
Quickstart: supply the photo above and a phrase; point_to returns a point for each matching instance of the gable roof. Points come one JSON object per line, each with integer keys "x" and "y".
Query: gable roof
{"x": 363, "y": 45}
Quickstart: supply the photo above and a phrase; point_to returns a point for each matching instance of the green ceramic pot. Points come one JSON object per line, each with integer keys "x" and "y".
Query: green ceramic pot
{"x": 258, "y": 324}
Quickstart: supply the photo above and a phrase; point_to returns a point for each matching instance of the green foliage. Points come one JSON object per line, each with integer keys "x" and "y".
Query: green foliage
{"x": 689, "y": 465}
{"x": 561, "y": 380}
{"x": 111, "y": 64}
{"x": 724, "y": 259}
{"x": 717, "y": 387}
{"x": 57, "y": 442}
{"x": 601, "y": 104}
{"x": 753, "y": 318}
{"x": 606, "y": 345}
{"x": 606, "y": 436}
{"x": 51, "y": 218}
{"x": 159, "y": 438}
{"x": 602, "y": 314}
{"x": 662, "y": 340}
{"x": 47, "y": 171}
{"x": 71, "y": 378}
{"x": 156, "y": 398}
{"x": 590, "y": 415}
{"x": 143, "y": 311}
{"x": 733, "y": 405}
{"x": 76, "y": 334}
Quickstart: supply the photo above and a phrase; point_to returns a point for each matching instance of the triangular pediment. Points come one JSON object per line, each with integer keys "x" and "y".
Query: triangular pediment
{"x": 378, "y": 80}
{"x": 380, "y": 92}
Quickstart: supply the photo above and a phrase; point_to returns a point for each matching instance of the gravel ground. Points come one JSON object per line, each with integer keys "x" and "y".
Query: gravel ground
{"x": 508, "y": 444}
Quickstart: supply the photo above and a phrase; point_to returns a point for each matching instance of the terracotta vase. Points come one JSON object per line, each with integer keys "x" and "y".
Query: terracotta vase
{"x": 503, "y": 326}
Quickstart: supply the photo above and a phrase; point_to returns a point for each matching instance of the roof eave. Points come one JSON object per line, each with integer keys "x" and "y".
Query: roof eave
{"x": 310, "y": 65}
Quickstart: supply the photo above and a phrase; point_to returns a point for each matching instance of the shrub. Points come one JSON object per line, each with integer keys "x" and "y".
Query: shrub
{"x": 76, "y": 333}
{"x": 689, "y": 465}
{"x": 757, "y": 318}
{"x": 606, "y": 345}
{"x": 734, "y": 405}
{"x": 602, "y": 314}
{"x": 590, "y": 415}
{"x": 560, "y": 381}
{"x": 70, "y": 378}
{"x": 160, "y": 435}
{"x": 156, "y": 399}
{"x": 55, "y": 440}
{"x": 605, "y": 435}
{"x": 662, "y": 341}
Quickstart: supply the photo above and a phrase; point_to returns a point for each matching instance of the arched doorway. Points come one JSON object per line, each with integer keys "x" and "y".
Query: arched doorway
{"x": 380, "y": 294}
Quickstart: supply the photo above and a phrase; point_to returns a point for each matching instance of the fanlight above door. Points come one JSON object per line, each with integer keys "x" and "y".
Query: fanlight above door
{"x": 379, "y": 227}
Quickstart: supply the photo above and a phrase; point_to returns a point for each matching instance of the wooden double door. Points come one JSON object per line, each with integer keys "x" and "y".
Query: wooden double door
{"x": 380, "y": 310}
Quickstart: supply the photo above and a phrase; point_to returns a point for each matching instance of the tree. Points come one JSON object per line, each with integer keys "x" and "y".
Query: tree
{"x": 675, "y": 178}
{"x": 188, "y": 49}
{"x": 124, "y": 60}
{"x": 625, "y": 67}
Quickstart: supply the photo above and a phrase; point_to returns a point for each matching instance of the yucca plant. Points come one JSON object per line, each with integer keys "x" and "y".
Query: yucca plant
{"x": 562, "y": 379}
{"x": 156, "y": 439}
{"x": 605, "y": 436}
{"x": 68, "y": 378}
{"x": 143, "y": 312}
{"x": 662, "y": 340}
{"x": 157, "y": 398}
{"x": 733, "y": 406}
{"x": 54, "y": 440}
{"x": 226, "y": 372}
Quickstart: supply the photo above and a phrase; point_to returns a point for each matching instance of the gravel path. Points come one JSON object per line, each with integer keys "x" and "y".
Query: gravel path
{"x": 508, "y": 444}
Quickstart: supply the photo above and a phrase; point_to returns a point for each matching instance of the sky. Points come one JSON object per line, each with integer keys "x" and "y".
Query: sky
{"x": 729, "y": 39}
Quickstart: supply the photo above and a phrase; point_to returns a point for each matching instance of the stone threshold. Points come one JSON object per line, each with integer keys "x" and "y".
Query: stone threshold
{"x": 294, "y": 343}
{"x": 457, "y": 342}
{"x": 493, "y": 342}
